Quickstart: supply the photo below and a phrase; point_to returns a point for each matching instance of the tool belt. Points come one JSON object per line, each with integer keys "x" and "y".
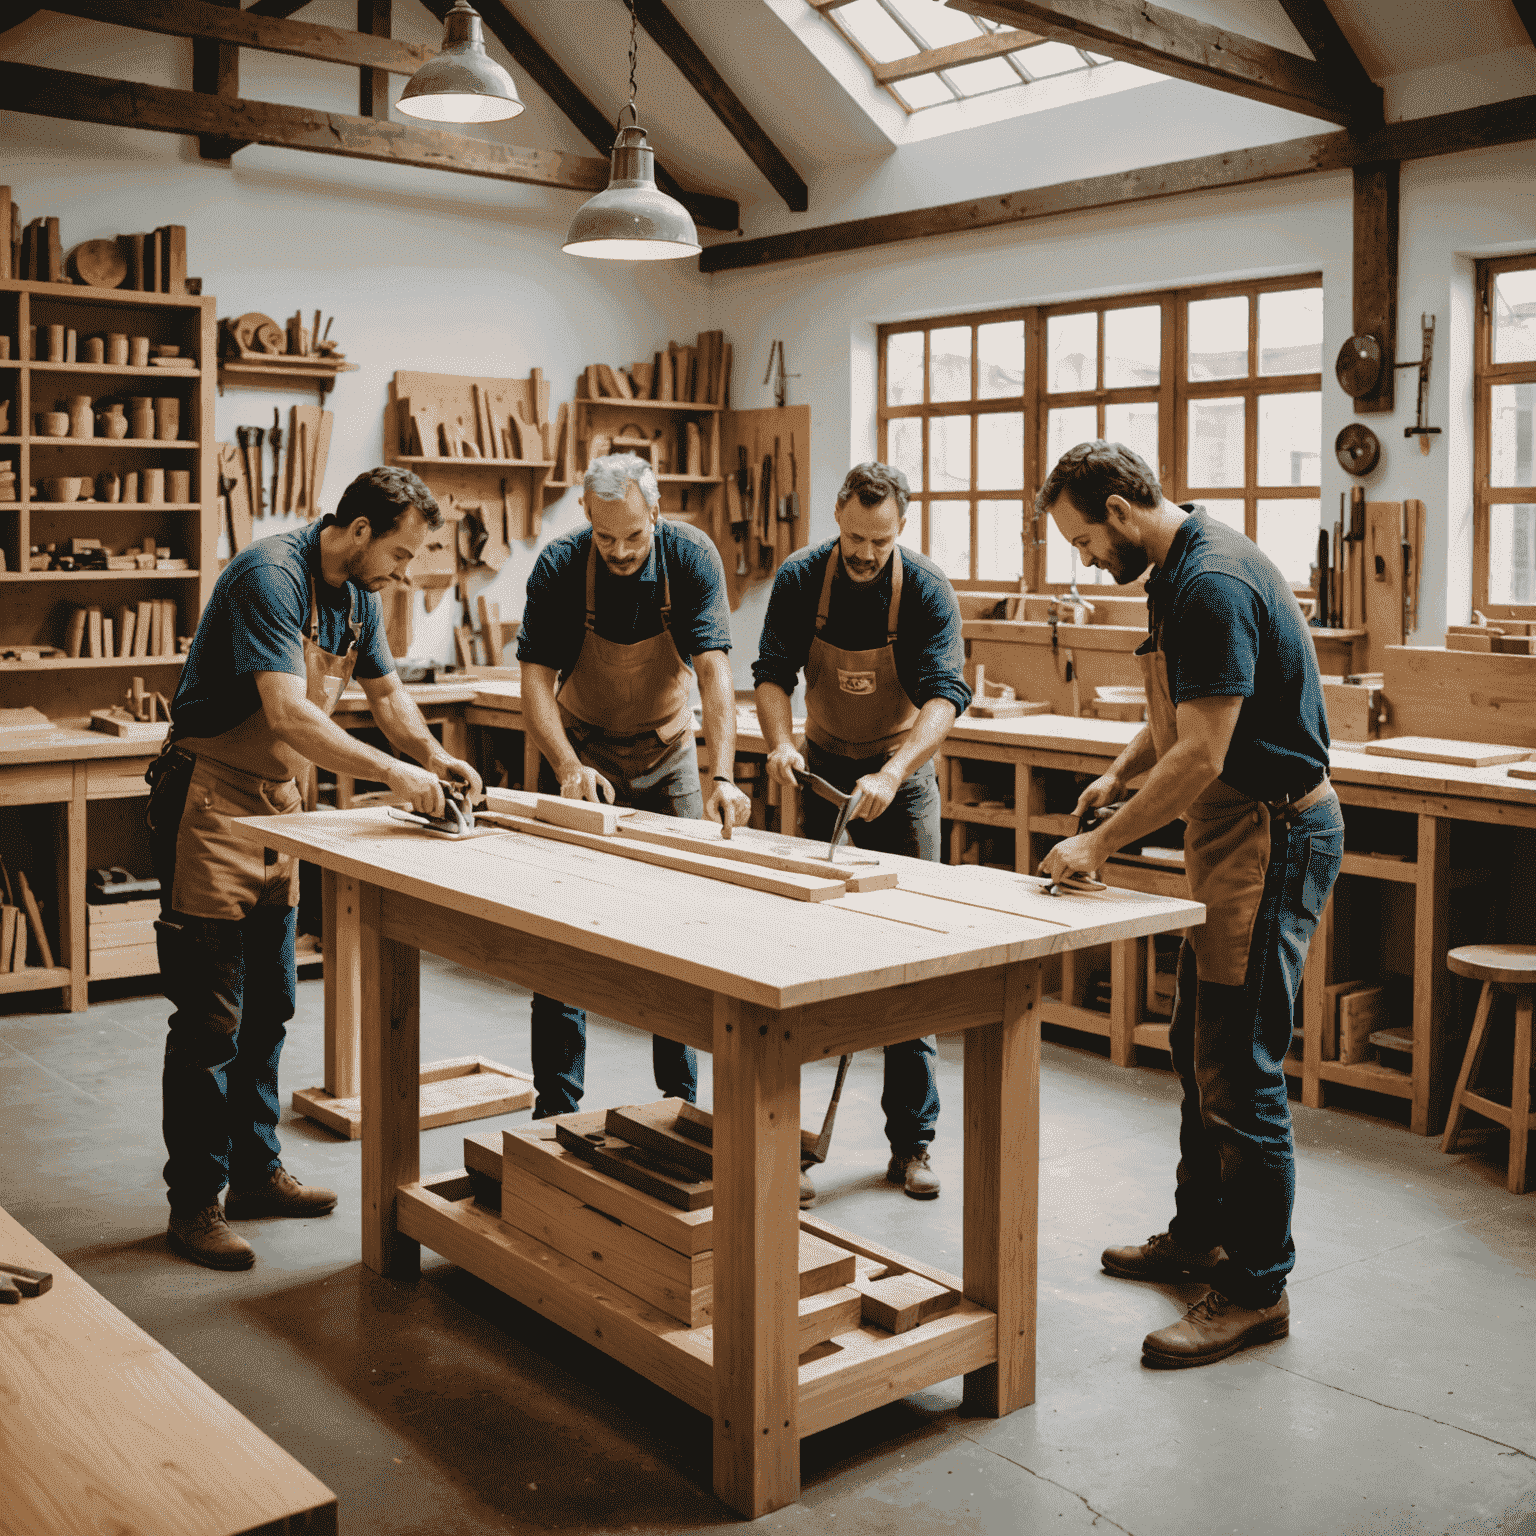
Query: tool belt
{"x": 1292, "y": 806}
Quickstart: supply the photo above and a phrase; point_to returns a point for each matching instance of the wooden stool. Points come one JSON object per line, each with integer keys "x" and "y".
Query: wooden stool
{"x": 1513, "y": 967}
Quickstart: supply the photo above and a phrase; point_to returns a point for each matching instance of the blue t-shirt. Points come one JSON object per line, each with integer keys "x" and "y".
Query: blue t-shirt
{"x": 1231, "y": 628}
{"x": 628, "y": 607}
{"x": 256, "y": 621}
{"x": 930, "y": 650}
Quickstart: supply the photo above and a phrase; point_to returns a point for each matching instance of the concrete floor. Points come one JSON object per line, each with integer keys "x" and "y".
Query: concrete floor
{"x": 1404, "y": 1401}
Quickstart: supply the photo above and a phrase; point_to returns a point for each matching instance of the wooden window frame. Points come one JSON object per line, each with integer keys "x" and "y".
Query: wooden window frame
{"x": 1172, "y": 394}
{"x": 1486, "y": 374}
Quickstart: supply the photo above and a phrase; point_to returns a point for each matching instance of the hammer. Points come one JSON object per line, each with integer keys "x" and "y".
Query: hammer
{"x": 277, "y": 453}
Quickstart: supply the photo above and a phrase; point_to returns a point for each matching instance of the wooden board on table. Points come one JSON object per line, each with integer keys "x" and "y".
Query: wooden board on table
{"x": 1526, "y": 770}
{"x": 585, "y": 1136}
{"x": 899, "y": 1302}
{"x": 653, "y": 1127}
{"x": 452, "y": 1091}
{"x": 578, "y": 815}
{"x": 1455, "y": 696}
{"x": 1460, "y": 754}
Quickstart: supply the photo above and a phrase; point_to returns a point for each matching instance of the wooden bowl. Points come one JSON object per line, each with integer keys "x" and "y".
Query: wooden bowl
{"x": 53, "y": 423}
{"x": 63, "y": 488}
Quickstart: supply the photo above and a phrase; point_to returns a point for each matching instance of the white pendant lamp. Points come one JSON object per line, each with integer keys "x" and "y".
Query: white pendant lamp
{"x": 632, "y": 219}
{"x": 463, "y": 84}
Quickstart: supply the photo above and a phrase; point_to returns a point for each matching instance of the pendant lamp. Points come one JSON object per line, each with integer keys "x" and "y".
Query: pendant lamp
{"x": 632, "y": 219}
{"x": 463, "y": 84}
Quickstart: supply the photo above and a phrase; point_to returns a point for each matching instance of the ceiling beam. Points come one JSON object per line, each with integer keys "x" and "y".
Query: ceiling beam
{"x": 216, "y": 69}
{"x": 673, "y": 40}
{"x": 1526, "y": 10}
{"x": 1137, "y": 32}
{"x": 993, "y": 45}
{"x": 1323, "y": 35}
{"x": 1503, "y": 122}
{"x": 375, "y": 18}
{"x": 129, "y": 104}
{"x": 594, "y": 125}
{"x": 1374, "y": 288}
{"x": 247, "y": 29}
{"x": 278, "y": 8}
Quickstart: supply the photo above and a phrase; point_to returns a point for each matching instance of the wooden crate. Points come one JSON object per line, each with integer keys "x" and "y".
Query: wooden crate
{"x": 452, "y": 1091}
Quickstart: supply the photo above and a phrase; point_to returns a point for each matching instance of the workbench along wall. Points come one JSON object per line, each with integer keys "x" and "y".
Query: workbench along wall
{"x": 423, "y": 270}
{"x": 1453, "y": 209}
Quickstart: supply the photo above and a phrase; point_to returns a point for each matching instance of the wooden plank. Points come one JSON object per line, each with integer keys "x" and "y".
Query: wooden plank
{"x": 159, "y": 109}
{"x": 757, "y": 1168}
{"x": 579, "y": 815}
{"x": 1432, "y": 1070}
{"x": 1375, "y": 275}
{"x": 584, "y": 1136}
{"x": 1460, "y": 754}
{"x": 1152, "y": 37}
{"x": 1383, "y": 580}
{"x": 374, "y": 19}
{"x": 595, "y": 126}
{"x": 103, "y": 1411}
{"x": 1506, "y": 122}
{"x": 391, "y": 1060}
{"x": 1458, "y": 696}
{"x": 898, "y": 1303}
{"x": 35, "y": 920}
{"x": 342, "y": 982}
{"x": 718, "y": 96}
{"x": 1002, "y": 1173}
{"x": 970, "y": 50}
{"x": 652, "y": 1127}
{"x": 1332, "y": 50}
{"x": 216, "y": 70}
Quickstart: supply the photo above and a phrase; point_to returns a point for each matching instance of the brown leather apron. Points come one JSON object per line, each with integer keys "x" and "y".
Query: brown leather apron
{"x": 857, "y": 691}
{"x": 629, "y": 690}
{"x": 249, "y": 771}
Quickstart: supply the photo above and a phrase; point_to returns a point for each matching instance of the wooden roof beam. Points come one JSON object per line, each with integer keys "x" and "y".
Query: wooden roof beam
{"x": 1138, "y": 32}
{"x": 216, "y": 69}
{"x": 1502, "y": 122}
{"x": 1526, "y": 10}
{"x": 993, "y": 45}
{"x": 1323, "y": 35}
{"x": 674, "y": 41}
{"x": 278, "y": 8}
{"x": 595, "y": 126}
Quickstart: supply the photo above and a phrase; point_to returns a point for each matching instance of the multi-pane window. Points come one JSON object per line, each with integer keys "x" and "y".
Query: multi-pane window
{"x": 1504, "y": 543}
{"x": 1218, "y": 389}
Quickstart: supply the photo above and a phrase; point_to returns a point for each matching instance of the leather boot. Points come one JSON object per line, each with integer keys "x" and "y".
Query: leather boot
{"x": 914, "y": 1173}
{"x": 1162, "y": 1258}
{"x": 279, "y": 1195}
{"x": 807, "y": 1190}
{"x": 205, "y": 1238}
{"x": 1214, "y": 1328}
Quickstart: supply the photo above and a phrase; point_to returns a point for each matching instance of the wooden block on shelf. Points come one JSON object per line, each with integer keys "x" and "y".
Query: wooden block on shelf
{"x": 653, "y": 1127}
{"x": 1361, "y": 1011}
{"x": 630, "y": 1165}
{"x": 1525, "y": 770}
{"x": 490, "y": 629}
{"x": 109, "y": 913}
{"x": 898, "y": 1303}
{"x": 19, "y": 946}
{"x": 1332, "y": 992}
{"x": 1515, "y": 645}
{"x": 101, "y": 936}
{"x": 1469, "y": 642}
{"x": 129, "y": 960}
{"x": 74, "y": 639}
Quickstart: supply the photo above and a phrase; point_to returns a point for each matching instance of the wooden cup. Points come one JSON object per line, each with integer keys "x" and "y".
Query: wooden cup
{"x": 117, "y": 348}
{"x": 109, "y": 487}
{"x": 131, "y": 486}
{"x": 55, "y": 343}
{"x": 141, "y": 417}
{"x": 53, "y": 424}
{"x": 69, "y": 345}
{"x": 95, "y": 349}
{"x": 154, "y": 487}
{"x": 82, "y": 421}
{"x": 167, "y": 418}
{"x": 178, "y": 485}
{"x": 138, "y": 351}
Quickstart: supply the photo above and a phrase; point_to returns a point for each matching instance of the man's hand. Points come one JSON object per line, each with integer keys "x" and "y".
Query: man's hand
{"x": 457, "y": 772}
{"x": 728, "y": 806}
{"x": 1104, "y": 790}
{"x": 782, "y": 764}
{"x": 583, "y": 783}
{"x": 1081, "y": 855}
{"x": 420, "y": 784}
{"x": 879, "y": 790}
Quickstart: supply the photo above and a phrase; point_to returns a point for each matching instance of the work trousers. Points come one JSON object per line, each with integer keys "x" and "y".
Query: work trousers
{"x": 233, "y": 988}
{"x": 1237, "y": 1175}
{"x": 559, "y": 1032}
{"x": 909, "y": 825}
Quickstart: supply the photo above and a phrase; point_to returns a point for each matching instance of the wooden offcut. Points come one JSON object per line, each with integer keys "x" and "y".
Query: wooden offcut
{"x": 899, "y": 1302}
{"x": 654, "y": 1128}
{"x": 587, "y": 1138}
{"x": 452, "y": 1091}
{"x": 1460, "y": 754}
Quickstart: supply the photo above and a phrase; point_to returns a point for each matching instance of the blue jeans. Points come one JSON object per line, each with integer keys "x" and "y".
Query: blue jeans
{"x": 1237, "y": 1175}
{"x": 909, "y": 825}
{"x": 558, "y": 1043}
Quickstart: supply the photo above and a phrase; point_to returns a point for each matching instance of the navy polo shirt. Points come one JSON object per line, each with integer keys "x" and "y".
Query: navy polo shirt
{"x": 256, "y": 621}
{"x": 930, "y": 649}
{"x": 628, "y": 607}
{"x": 1232, "y": 628}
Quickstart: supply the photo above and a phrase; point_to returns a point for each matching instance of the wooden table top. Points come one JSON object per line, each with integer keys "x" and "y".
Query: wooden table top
{"x": 107, "y": 1430}
{"x": 65, "y": 743}
{"x": 765, "y": 949}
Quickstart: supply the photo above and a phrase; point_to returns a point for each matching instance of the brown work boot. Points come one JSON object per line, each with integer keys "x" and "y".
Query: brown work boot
{"x": 1214, "y": 1328}
{"x": 204, "y": 1237}
{"x": 807, "y": 1190}
{"x": 914, "y": 1173}
{"x": 1161, "y": 1257}
{"x": 280, "y": 1195}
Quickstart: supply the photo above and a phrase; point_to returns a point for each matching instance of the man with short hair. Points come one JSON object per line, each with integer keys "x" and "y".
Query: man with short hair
{"x": 876, "y": 628}
{"x": 617, "y": 613}
{"x": 1237, "y": 746}
{"x": 289, "y": 620}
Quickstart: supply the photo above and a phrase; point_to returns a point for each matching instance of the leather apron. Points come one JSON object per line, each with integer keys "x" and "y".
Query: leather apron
{"x": 249, "y": 771}
{"x": 857, "y": 692}
{"x": 627, "y": 691}
{"x": 1226, "y": 845}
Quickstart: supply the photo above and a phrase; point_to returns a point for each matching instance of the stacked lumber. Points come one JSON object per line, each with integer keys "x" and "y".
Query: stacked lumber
{"x": 146, "y": 629}
{"x": 682, "y": 375}
{"x": 17, "y": 919}
{"x": 120, "y": 938}
{"x": 1503, "y": 637}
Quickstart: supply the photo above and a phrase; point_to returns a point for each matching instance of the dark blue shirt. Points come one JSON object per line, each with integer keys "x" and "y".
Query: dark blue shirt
{"x": 930, "y": 651}
{"x": 628, "y": 607}
{"x": 256, "y": 621}
{"x": 1231, "y": 628}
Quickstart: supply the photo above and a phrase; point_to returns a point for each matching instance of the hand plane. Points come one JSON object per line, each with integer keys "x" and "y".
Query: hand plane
{"x": 457, "y": 820}
{"x": 1085, "y": 885}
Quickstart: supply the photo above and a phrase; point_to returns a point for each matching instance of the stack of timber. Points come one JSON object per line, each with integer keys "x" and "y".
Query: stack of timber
{"x": 120, "y": 938}
{"x": 679, "y": 375}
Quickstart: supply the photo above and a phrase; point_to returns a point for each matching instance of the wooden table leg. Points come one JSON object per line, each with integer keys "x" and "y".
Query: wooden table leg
{"x": 1431, "y": 977}
{"x": 69, "y": 869}
{"x": 1127, "y": 997}
{"x": 756, "y": 1264}
{"x": 1002, "y": 1189}
{"x": 391, "y": 1092}
{"x": 343, "y": 981}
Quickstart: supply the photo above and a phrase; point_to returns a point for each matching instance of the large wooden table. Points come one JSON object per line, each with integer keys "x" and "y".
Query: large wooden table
{"x": 765, "y": 983}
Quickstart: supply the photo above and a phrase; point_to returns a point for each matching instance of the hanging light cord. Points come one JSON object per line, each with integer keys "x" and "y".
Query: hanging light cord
{"x": 634, "y": 64}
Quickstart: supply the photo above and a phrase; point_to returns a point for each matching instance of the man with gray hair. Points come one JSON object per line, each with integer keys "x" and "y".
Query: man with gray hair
{"x": 615, "y": 615}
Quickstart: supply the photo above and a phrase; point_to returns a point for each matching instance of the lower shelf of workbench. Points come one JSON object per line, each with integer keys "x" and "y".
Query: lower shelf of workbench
{"x": 459, "y": 1089}
{"x": 840, "y": 1377}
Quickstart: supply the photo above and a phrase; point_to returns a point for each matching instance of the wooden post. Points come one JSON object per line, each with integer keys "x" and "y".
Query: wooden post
{"x": 69, "y": 869}
{"x": 1002, "y": 1189}
{"x": 343, "y": 982}
{"x": 756, "y": 1264}
{"x": 1431, "y": 979}
{"x": 1375, "y": 274}
{"x": 391, "y": 1089}
{"x": 1127, "y": 997}
{"x": 216, "y": 70}
{"x": 373, "y": 18}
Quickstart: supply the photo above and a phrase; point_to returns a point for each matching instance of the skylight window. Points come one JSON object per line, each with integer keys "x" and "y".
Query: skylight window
{"x": 927, "y": 55}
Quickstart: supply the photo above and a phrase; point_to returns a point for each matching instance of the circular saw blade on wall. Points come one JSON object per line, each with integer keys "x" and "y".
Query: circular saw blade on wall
{"x": 1357, "y": 448}
{"x": 1358, "y": 366}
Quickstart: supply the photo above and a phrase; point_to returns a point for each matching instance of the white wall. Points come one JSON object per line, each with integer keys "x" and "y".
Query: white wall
{"x": 422, "y": 269}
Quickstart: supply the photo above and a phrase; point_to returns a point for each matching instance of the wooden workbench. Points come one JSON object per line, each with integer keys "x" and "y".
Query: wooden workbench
{"x": 106, "y": 1430}
{"x": 764, "y": 983}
